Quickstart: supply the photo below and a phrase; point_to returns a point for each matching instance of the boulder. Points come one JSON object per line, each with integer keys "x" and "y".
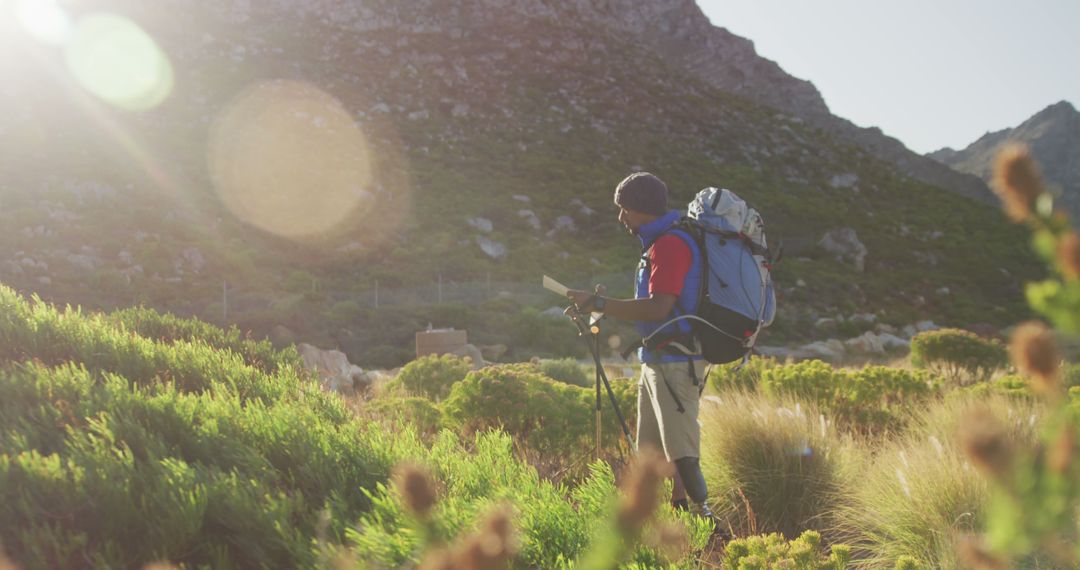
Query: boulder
{"x": 923, "y": 326}
{"x": 864, "y": 318}
{"x": 826, "y": 350}
{"x": 866, "y": 343}
{"x": 846, "y": 180}
{"x": 492, "y": 352}
{"x": 482, "y": 224}
{"x": 554, "y": 313}
{"x": 845, "y": 245}
{"x": 825, "y": 324}
{"x": 83, "y": 262}
{"x": 530, "y": 218}
{"x": 472, "y": 353}
{"x": 493, "y": 249}
{"x": 884, "y": 328}
{"x": 830, "y": 350}
{"x": 890, "y": 341}
{"x": 335, "y": 371}
{"x": 565, "y": 224}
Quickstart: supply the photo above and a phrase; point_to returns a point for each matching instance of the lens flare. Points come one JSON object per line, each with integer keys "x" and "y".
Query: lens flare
{"x": 288, "y": 158}
{"x": 113, "y": 58}
{"x": 44, "y": 20}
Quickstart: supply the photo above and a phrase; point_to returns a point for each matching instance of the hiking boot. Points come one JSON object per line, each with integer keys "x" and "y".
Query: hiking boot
{"x": 703, "y": 510}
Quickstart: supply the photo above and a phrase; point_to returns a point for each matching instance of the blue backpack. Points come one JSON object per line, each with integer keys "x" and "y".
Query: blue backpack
{"x": 737, "y": 295}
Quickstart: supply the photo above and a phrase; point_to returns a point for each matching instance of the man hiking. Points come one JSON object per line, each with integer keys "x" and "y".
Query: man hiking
{"x": 672, "y": 373}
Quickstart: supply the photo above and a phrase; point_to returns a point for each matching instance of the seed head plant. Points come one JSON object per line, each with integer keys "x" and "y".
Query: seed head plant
{"x": 1036, "y": 494}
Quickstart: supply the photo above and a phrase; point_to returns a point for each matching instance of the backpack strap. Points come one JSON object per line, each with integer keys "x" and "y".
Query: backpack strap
{"x": 693, "y": 231}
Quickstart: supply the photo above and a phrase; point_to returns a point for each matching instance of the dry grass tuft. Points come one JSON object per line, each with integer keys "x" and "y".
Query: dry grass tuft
{"x": 1017, "y": 181}
{"x": 491, "y": 547}
{"x": 984, "y": 441}
{"x": 641, "y": 490}
{"x": 1035, "y": 353}
{"x": 1068, "y": 255}
{"x": 416, "y": 488}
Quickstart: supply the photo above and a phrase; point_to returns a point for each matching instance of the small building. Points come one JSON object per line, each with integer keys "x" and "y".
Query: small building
{"x": 440, "y": 341}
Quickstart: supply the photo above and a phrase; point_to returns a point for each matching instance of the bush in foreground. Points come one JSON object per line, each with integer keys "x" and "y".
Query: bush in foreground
{"x": 555, "y": 527}
{"x": 773, "y": 551}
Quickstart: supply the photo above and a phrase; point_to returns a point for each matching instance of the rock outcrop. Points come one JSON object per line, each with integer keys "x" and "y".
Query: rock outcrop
{"x": 845, "y": 245}
{"x": 334, "y": 369}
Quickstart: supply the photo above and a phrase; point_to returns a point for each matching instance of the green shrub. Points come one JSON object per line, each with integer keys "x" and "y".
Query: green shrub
{"x": 169, "y": 328}
{"x": 566, "y": 370}
{"x": 421, "y": 413}
{"x": 960, "y": 356}
{"x": 773, "y": 551}
{"x": 135, "y": 473}
{"x": 38, "y": 331}
{"x": 555, "y": 526}
{"x": 772, "y": 466}
{"x": 432, "y": 376}
{"x": 1070, "y": 375}
{"x": 917, "y": 495}
{"x": 870, "y": 400}
{"x": 543, "y": 415}
{"x": 725, "y": 377}
{"x": 1011, "y": 385}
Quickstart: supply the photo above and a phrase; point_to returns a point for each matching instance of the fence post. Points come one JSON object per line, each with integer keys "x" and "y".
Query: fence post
{"x": 376, "y": 294}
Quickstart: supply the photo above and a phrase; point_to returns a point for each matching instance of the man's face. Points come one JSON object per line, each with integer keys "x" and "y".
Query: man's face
{"x": 633, "y": 219}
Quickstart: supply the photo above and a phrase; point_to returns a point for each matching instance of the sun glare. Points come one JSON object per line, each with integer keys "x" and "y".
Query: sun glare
{"x": 113, "y": 58}
{"x": 288, "y": 158}
{"x": 45, "y": 20}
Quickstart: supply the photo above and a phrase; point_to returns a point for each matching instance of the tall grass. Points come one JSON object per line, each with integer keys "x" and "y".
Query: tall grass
{"x": 919, "y": 494}
{"x": 773, "y": 465}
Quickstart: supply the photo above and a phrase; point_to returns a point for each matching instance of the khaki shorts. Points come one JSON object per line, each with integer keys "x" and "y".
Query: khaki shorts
{"x": 660, "y": 424}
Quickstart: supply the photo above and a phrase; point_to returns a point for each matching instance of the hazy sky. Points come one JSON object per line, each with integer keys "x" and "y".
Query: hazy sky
{"x": 931, "y": 73}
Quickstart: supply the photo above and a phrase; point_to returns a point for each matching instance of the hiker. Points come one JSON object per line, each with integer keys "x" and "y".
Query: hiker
{"x": 672, "y": 377}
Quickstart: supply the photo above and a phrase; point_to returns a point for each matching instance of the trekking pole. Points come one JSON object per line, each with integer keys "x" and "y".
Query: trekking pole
{"x": 585, "y": 331}
{"x": 596, "y": 338}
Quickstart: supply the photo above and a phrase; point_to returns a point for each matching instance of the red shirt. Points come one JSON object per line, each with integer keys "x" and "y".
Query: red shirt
{"x": 669, "y": 262}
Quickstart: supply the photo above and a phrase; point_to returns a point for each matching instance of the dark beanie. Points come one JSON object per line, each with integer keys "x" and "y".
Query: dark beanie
{"x": 642, "y": 192}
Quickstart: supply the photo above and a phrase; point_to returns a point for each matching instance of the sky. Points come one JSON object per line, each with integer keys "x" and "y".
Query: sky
{"x": 932, "y": 73}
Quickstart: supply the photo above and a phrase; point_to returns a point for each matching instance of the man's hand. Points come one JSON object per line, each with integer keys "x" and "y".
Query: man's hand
{"x": 579, "y": 298}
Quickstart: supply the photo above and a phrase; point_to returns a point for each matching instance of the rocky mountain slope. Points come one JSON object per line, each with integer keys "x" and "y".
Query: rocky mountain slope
{"x": 1053, "y": 135}
{"x": 351, "y": 171}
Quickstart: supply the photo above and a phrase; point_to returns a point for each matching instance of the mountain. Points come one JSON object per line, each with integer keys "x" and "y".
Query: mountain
{"x": 679, "y": 31}
{"x": 348, "y": 173}
{"x": 1053, "y": 135}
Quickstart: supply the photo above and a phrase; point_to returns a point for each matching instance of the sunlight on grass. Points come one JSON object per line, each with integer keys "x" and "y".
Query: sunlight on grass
{"x": 113, "y": 58}
{"x": 288, "y": 158}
